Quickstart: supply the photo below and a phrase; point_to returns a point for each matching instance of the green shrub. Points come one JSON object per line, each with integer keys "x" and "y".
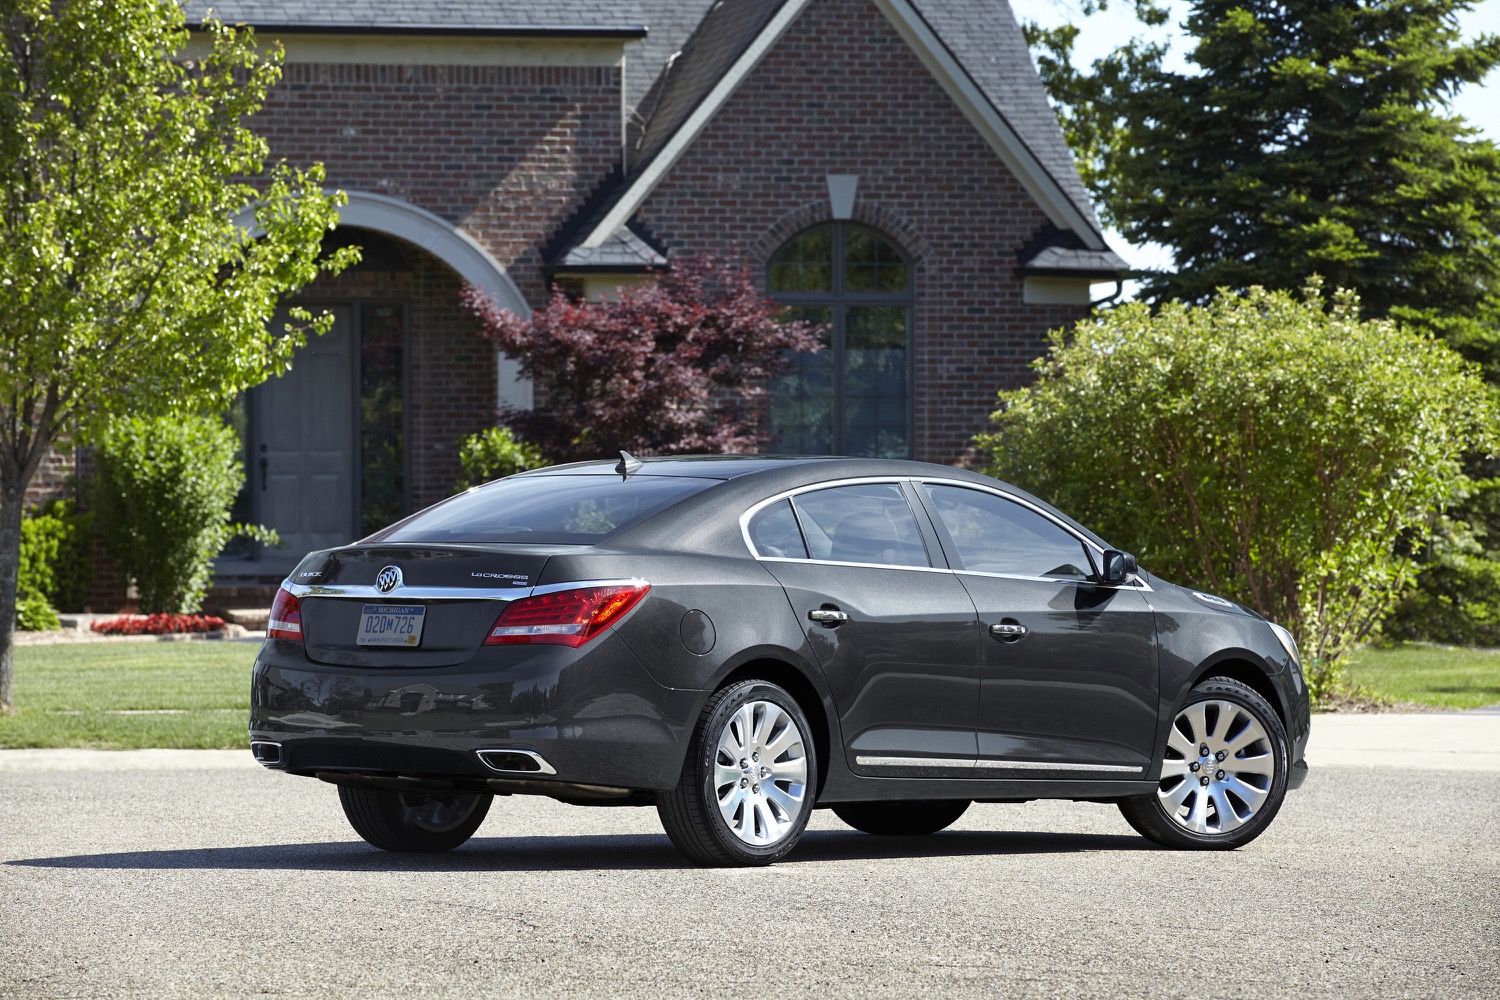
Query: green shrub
{"x": 495, "y": 453}
{"x": 1273, "y": 449}
{"x": 1457, "y": 597}
{"x": 162, "y": 499}
{"x": 57, "y": 557}
{"x": 34, "y": 614}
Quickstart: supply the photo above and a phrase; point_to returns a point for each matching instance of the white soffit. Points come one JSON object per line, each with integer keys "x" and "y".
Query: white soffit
{"x": 996, "y": 131}
{"x": 640, "y": 188}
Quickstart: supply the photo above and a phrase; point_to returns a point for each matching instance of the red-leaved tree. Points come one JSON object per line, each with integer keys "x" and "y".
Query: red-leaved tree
{"x": 673, "y": 366}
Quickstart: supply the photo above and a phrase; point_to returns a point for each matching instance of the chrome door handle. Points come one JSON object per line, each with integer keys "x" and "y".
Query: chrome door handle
{"x": 824, "y": 616}
{"x": 1008, "y": 631}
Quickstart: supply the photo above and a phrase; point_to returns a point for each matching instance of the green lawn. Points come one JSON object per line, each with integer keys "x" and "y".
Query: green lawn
{"x": 197, "y": 694}
{"x": 188, "y": 695}
{"x": 1452, "y": 677}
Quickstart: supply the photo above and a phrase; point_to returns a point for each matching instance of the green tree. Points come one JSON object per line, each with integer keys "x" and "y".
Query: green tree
{"x": 1271, "y": 448}
{"x": 126, "y": 285}
{"x": 1308, "y": 138}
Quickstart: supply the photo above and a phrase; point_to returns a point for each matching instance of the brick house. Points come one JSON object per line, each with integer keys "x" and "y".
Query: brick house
{"x": 890, "y": 167}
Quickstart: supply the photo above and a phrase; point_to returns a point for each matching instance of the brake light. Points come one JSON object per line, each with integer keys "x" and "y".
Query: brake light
{"x": 567, "y": 617}
{"x": 286, "y": 617}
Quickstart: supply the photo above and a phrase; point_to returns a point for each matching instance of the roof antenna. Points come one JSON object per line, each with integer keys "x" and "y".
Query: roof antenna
{"x": 629, "y": 465}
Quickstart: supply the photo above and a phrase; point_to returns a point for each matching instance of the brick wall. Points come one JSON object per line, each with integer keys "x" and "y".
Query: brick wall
{"x": 843, "y": 94}
{"x": 505, "y": 152}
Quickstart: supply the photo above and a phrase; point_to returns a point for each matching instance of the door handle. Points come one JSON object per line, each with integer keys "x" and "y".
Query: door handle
{"x": 1008, "y": 630}
{"x": 263, "y": 476}
{"x": 827, "y": 617}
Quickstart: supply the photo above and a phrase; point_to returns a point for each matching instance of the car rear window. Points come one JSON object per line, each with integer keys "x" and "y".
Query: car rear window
{"x": 544, "y": 510}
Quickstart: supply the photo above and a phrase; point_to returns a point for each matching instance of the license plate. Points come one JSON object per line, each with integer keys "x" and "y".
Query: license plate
{"x": 390, "y": 625}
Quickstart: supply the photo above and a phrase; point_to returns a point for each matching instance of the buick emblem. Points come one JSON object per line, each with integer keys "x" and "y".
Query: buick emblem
{"x": 388, "y": 580}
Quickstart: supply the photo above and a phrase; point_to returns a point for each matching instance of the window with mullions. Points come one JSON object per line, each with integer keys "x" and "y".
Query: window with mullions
{"x": 853, "y": 397}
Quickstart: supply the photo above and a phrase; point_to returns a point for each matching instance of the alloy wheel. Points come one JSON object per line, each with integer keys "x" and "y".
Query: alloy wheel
{"x": 1218, "y": 769}
{"x": 760, "y": 773}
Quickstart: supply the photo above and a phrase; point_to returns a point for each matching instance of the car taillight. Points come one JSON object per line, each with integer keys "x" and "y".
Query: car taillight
{"x": 286, "y": 617}
{"x": 568, "y": 617}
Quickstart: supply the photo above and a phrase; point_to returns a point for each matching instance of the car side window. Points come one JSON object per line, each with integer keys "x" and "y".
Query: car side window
{"x": 774, "y": 532}
{"x": 995, "y": 535}
{"x": 863, "y": 523}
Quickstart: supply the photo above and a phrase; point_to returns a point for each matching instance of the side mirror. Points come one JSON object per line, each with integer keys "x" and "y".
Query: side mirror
{"x": 1116, "y": 566}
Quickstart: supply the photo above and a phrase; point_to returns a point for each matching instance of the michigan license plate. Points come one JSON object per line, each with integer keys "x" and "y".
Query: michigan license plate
{"x": 390, "y": 625}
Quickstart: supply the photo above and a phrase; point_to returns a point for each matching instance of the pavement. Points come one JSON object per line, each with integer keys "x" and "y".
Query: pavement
{"x": 1442, "y": 741}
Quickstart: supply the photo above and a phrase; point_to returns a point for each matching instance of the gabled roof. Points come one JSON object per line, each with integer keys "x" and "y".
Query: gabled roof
{"x": 985, "y": 38}
{"x": 721, "y": 37}
{"x": 578, "y": 18}
{"x": 974, "y": 47}
{"x": 669, "y": 24}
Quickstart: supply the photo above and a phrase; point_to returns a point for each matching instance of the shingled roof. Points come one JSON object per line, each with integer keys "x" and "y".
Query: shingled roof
{"x": 679, "y": 50}
{"x": 618, "y": 18}
{"x": 981, "y": 36}
{"x": 985, "y": 38}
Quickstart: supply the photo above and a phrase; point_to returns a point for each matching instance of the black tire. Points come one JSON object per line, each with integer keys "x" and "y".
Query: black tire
{"x": 757, "y": 819}
{"x": 1223, "y": 799}
{"x": 411, "y": 822}
{"x": 913, "y": 818}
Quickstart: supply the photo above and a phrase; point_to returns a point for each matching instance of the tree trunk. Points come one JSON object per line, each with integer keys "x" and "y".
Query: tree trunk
{"x": 10, "y": 568}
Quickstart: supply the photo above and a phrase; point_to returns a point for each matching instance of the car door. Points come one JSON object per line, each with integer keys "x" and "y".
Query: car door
{"x": 1069, "y": 685}
{"x": 895, "y": 635}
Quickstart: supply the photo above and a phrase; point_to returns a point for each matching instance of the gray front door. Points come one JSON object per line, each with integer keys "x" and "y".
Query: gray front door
{"x": 303, "y": 447}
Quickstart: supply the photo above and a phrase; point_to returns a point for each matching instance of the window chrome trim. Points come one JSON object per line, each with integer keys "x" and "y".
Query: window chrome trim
{"x": 1134, "y": 583}
{"x": 368, "y": 592}
{"x": 760, "y": 505}
{"x": 832, "y": 562}
{"x": 996, "y": 765}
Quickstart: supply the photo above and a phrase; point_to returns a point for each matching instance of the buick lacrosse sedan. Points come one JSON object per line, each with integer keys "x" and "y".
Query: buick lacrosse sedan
{"x": 740, "y": 640}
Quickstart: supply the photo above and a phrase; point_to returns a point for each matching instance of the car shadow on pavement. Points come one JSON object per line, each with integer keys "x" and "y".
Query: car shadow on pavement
{"x": 582, "y": 853}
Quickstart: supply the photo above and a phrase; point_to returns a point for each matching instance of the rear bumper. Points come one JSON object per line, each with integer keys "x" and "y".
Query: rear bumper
{"x": 593, "y": 716}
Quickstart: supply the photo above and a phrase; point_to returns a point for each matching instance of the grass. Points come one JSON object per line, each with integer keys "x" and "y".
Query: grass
{"x": 196, "y": 695}
{"x": 1446, "y": 676}
{"x": 129, "y": 695}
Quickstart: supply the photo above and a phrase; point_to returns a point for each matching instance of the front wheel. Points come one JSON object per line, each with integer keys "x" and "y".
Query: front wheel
{"x": 913, "y": 818}
{"x": 1223, "y": 772}
{"x": 412, "y": 822}
{"x": 747, "y": 784}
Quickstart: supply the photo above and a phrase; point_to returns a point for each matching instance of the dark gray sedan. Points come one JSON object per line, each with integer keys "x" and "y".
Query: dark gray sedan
{"x": 738, "y": 640}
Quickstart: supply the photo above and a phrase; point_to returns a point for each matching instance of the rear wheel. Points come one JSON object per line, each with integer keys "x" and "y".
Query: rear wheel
{"x": 1223, "y": 772}
{"x": 902, "y": 819}
{"x": 747, "y": 785}
{"x": 411, "y": 822}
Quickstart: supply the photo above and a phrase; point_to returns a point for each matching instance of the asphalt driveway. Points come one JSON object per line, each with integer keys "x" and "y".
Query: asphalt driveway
{"x": 197, "y": 873}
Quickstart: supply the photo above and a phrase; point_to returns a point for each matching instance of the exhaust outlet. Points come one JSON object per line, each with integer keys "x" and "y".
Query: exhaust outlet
{"x": 515, "y": 761}
{"x": 268, "y": 753}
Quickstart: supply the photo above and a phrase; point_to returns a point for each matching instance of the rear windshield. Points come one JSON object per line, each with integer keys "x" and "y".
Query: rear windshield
{"x": 544, "y": 510}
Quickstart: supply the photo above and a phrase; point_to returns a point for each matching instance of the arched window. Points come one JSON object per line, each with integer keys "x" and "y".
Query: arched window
{"x": 853, "y": 397}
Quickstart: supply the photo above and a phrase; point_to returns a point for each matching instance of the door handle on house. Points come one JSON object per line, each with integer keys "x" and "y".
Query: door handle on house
{"x": 263, "y": 465}
{"x": 1008, "y": 630}
{"x": 827, "y": 617}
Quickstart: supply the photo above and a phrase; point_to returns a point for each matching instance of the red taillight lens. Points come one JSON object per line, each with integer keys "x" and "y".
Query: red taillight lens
{"x": 568, "y": 617}
{"x": 286, "y": 617}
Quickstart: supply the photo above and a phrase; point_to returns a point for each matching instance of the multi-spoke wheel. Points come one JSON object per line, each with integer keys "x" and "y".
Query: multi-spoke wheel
{"x": 911, "y": 818}
{"x": 411, "y": 822}
{"x": 1223, "y": 771}
{"x": 747, "y": 784}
